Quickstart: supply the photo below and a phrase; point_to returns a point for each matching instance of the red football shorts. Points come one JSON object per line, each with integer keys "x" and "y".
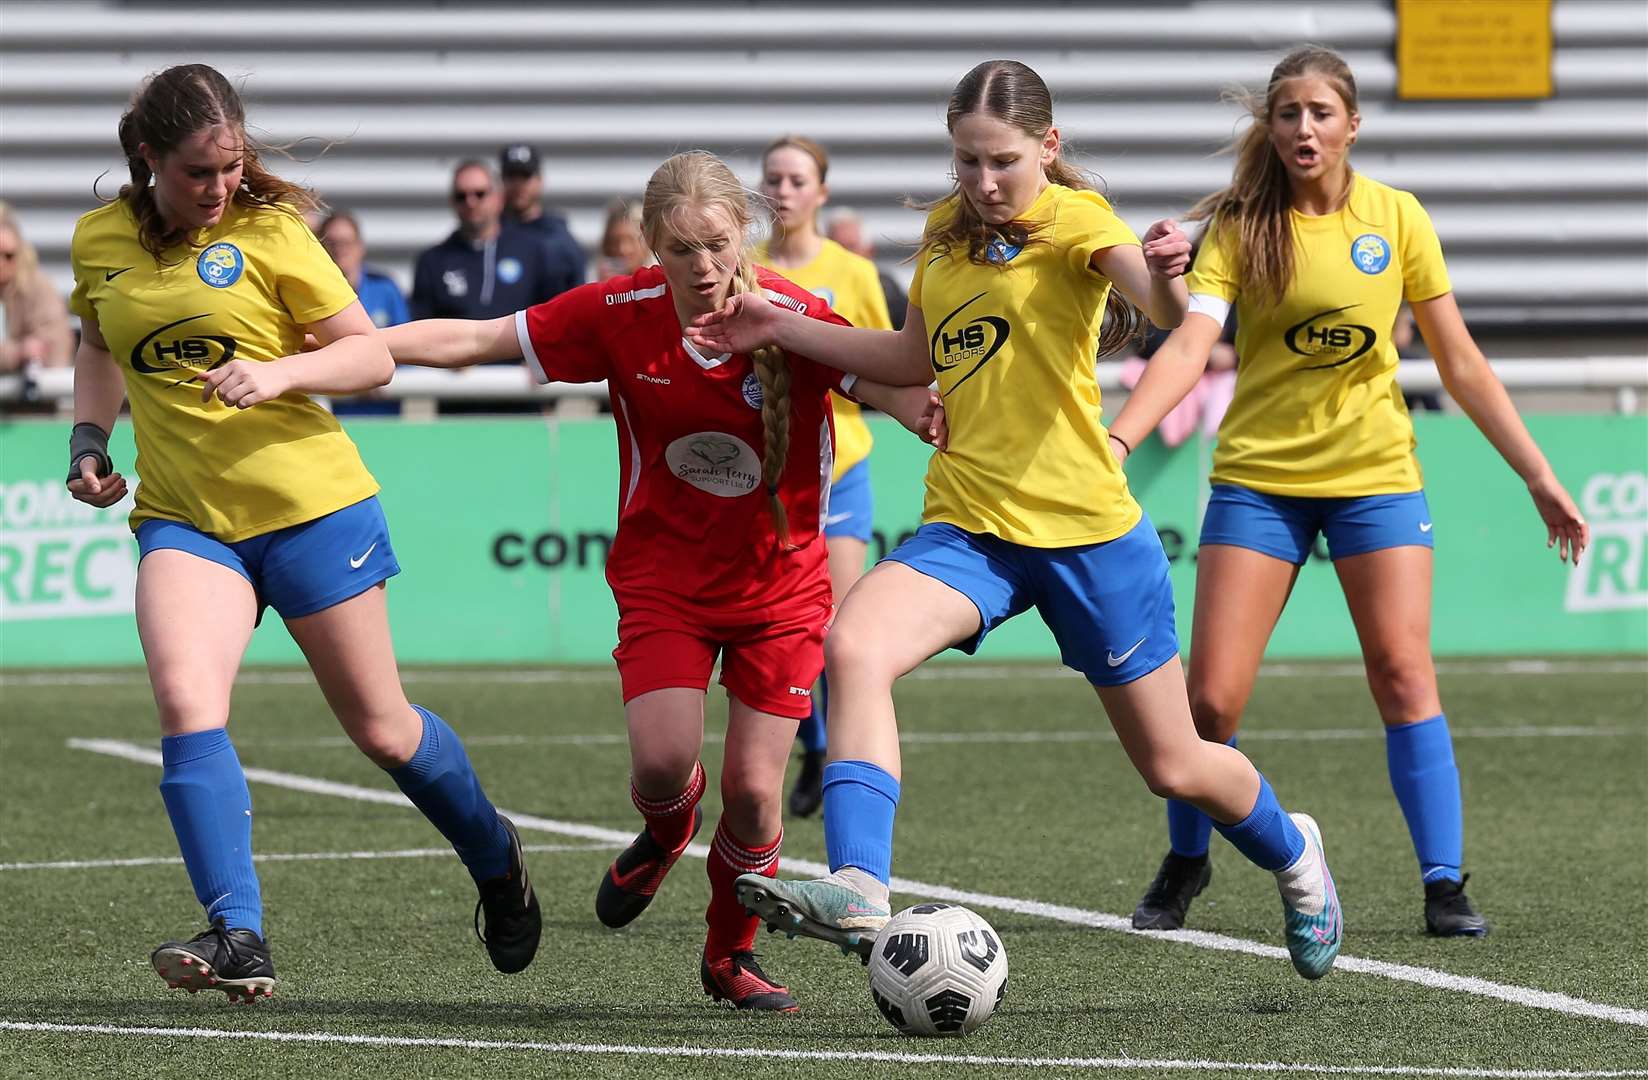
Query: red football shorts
{"x": 768, "y": 661}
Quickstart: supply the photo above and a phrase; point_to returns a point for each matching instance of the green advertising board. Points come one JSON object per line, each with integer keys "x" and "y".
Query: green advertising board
{"x": 502, "y": 528}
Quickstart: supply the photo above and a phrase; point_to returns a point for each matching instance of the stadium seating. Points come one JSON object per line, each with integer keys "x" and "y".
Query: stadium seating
{"x": 1539, "y": 203}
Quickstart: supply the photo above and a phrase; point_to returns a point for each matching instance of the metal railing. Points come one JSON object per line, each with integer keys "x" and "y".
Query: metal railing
{"x": 420, "y": 389}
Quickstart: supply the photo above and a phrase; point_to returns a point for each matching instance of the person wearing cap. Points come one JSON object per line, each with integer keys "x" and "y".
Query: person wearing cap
{"x": 486, "y": 267}
{"x": 523, "y": 178}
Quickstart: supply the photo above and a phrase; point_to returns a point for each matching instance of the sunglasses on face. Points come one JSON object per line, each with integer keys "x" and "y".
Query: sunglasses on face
{"x": 471, "y": 195}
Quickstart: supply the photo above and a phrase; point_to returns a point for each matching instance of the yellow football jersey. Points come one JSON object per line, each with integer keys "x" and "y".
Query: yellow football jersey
{"x": 244, "y": 291}
{"x": 1317, "y": 411}
{"x": 849, "y": 284}
{"x": 1014, "y": 346}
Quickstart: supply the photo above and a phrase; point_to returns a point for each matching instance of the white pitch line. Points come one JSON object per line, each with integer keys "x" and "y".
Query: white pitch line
{"x": 301, "y": 856}
{"x": 1372, "y": 731}
{"x": 880, "y": 1056}
{"x": 1440, "y": 980}
{"x": 938, "y": 672}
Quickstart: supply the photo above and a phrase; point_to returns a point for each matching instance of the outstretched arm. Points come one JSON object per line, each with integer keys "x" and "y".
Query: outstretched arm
{"x": 1471, "y": 381}
{"x": 453, "y": 343}
{"x": 748, "y": 321}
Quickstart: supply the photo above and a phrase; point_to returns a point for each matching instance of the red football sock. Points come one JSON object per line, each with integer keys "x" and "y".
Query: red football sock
{"x": 731, "y": 928}
{"x": 670, "y": 820}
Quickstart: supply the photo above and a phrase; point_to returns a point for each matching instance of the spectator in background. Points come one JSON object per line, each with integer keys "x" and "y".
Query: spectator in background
{"x": 846, "y": 227}
{"x": 340, "y": 235}
{"x": 35, "y": 324}
{"x": 485, "y": 268}
{"x": 624, "y": 248}
{"x": 523, "y": 179}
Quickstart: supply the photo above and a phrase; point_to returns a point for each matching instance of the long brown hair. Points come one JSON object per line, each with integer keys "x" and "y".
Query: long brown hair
{"x": 811, "y": 148}
{"x": 1014, "y": 94}
{"x": 1253, "y": 216}
{"x": 167, "y": 110}
{"x": 698, "y": 180}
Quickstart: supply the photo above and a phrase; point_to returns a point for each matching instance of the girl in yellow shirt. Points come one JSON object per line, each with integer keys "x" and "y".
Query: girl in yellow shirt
{"x": 793, "y": 169}
{"x": 1317, "y": 260}
{"x": 1027, "y": 508}
{"x": 195, "y": 290}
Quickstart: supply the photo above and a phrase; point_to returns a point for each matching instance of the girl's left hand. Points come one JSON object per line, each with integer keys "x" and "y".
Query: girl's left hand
{"x": 240, "y": 384}
{"x": 1166, "y": 249}
{"x": 1565, "y": 528}
{"x": 922, "y": 411}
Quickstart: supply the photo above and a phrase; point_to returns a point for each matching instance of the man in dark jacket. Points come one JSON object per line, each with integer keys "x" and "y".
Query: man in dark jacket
{"x": 523, "y": 180}
{"x": 486, "y": 268}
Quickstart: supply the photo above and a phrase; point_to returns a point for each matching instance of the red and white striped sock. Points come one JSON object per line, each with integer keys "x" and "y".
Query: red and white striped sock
{"x": 731, "y": 928}
{"x": 670, "y": 820}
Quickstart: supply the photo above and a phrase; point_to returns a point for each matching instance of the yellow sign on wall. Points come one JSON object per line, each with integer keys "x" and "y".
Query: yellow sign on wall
{"x": 1473, "y": 49}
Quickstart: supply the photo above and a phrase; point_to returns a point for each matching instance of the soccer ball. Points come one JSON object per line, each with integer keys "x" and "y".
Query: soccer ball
{"x": 937, "y": 969}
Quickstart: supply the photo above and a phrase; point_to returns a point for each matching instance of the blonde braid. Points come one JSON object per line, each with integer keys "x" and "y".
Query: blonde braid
{"x": 772, "y": 367}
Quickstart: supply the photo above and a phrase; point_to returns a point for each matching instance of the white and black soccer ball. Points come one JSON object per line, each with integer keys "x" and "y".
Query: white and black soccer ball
{"x": 937, "y": 969}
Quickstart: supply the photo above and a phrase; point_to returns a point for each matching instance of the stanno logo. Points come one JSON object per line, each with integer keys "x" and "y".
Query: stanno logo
{"x": 1337, "y": 343}
{"x": 968, "y": 345}
{"x": 654, "y": 379}
{"x": 191, "y": 355}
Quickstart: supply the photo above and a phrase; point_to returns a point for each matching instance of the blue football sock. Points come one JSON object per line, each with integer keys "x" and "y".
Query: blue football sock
{"x": 1422, "y": 771}
{"x": 1188, "y": 829}
{"x": 440, "y": 781}
{"x": 204, "y": 789}
{"x": 860, "y": 799}
{"x": 811, "y": 732}
{"x": 1267, "y": 836}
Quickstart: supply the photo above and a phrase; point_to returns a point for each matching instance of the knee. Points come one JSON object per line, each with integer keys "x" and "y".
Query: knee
{"x": 851, "y": 651}
{"x": 1174, "y": 776}
{"x": 658, "y": 776}
{"x": 749, "y": 806}
{"x": 1217, "y": 713}
{"x": 389, "y": 741}
{"x": 1403, "y": 686}
{"x": 184, "y": 707}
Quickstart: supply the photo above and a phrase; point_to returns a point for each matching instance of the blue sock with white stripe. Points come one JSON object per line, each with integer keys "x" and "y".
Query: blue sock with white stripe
{"x": 860, "y": 800}
{"x": 204, "y": 789}
{"x": 1267, "y": 836}
{"x": 1426, "y": 781}
{"x": 440, "y": 781}
{"x": 1188, "y": 829}
{"x": 811, "y": 732}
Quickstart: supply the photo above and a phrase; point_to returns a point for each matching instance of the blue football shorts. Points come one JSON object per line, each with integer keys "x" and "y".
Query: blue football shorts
{"x": 852, "y": 508}
{"x": 298, "y": 570}
{"x": 1284, "y": 526}
{"x": 1109, "y": 605}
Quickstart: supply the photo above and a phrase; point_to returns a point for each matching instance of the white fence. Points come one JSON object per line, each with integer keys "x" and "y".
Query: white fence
{"x": 1539, "y": 203}
{"x": 420, "y": 388}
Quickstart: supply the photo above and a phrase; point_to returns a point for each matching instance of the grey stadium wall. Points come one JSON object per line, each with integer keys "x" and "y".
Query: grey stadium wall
{"x": 1542, "y": 205}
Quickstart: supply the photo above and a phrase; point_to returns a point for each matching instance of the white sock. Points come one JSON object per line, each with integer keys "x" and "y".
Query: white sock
{"x": 866, "y": 885}
{"x": 1304, "y": 884}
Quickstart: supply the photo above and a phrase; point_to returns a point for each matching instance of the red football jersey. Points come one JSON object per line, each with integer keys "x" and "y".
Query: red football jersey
{"x": 694, "y": 522}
